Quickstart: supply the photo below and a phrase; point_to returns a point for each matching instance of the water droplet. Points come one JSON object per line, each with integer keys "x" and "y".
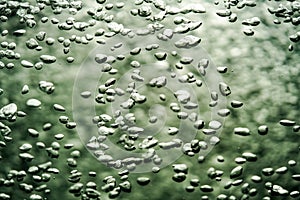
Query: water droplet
{"x": 145, "y": 11}
{"x": 224, "y": 13}
{"x": 135, "y": 51}
{"x": 63, "y": 119}
{"x": 47, "y": 126}
{"x": 135, "y": 64}
{"x": 35, "y": 197}
{"x": 296, "y": 128}
{"x": 236, "y": 172}
{"x": 8, "y": 111}
{"x": 292, "y": 163}
{"x": 40, "y": 145}
{"x": 26, "y": 64}
{"x": 249, "y": 156}
{"x": 40, "y": 35}
{"x": 25, "y": 89}
{"x": 48, "y": 59}
{"x": 26, "y": 156}
{"x": 160, "y": 56}
{"x": 214, "y": 95}
{"x": 143, "y": 181}
{"x": 224, "y": 89}
{"x": 237, "y": 182}
{"x": 242, "y": 131}
{"x": 286, "y": 122}
{"x": 59, "y": 107}
{"x": 222, "y": 69}
{"x": 254, "y": 21}
{"x": 233, "y": 17}
{"x": 236, "y": 104}
{"x": 296, "y": 177}
{"x": 39, "y": 65}
{"x": 59, "y": 136}
{"x": 19, "y": 32}
{"x": 180, "y": 168}
{"x": 100, "y": 58}
{"x": 32, "y": 43}
{"x": 86, "y": 94}
{"x": 224, "y": 112}
{"x": 25, "y": 147}
{"x": 263, "y": 129}
{"x": 76, "y": 188}
{"x": 206, "y": 188}
{"x": 248, "y": 32}
{"x": 281, "y": 170}
{"x": 294, "y": 194}
{"x": 188, "y": 41}
{"x": 179, "y": 177}
{"x": 240, "y": 160}
{"x": 190, "y": 188}
{"x": 155, "y": 169}
{"x": 47, "y": 87}
{"x": 125, "y": 186}
{"x": 71, "y": 125}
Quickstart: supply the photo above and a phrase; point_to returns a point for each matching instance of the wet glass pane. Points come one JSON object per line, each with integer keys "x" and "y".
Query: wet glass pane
{"x": 149, "y": 99}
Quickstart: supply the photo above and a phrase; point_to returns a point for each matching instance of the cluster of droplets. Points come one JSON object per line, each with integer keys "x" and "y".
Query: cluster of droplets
{"x": 284, "y": 12}
{"x": 123, "y": 92}
{"x": 34, "y": 174}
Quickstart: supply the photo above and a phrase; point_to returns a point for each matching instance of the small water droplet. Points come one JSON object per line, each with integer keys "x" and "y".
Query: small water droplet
{"x": 188, "y": 42}
{"x": 286, "y": 122}
{"x": 242, "y": 131}
{"x": 48, "y": 59}
{"x": 26, "y": 64}
{"x": 263, "y": 129}
{"x": 59, "y": 107}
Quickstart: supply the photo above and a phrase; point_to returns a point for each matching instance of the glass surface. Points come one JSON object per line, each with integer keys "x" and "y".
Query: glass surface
{"x": 149, "y": 99}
